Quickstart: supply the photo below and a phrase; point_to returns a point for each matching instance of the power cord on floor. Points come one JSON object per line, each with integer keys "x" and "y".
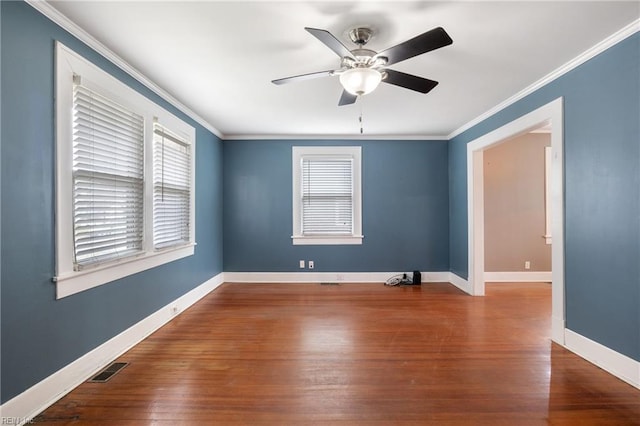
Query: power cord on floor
{"x": 400, "y": 279}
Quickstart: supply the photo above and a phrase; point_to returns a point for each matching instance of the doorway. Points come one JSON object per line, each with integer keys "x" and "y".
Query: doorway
{"x": 547, "y": 115}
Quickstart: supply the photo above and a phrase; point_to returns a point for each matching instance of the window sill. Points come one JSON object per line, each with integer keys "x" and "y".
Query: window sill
{"x": 321, "y": 240}
{"x": 76, "y": 281}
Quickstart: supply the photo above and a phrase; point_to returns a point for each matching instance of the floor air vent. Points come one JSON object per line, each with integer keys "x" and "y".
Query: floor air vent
{"x": 329, "y": 284}
{"x": 108, "y": 372}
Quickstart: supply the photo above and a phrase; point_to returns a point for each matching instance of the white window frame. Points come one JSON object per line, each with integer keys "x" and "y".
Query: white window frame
{"x": 70, "y": 281}
{"x": 352, "y": 152}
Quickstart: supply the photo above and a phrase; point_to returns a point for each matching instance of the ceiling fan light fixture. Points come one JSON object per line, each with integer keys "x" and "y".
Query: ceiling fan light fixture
{"x": 360, "y": 81}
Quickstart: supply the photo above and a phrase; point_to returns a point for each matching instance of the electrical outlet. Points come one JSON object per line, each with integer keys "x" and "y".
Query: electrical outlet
{"x": 311, "y": 265}
{"x": 302, "y": 264}
{"x": 527, "y": 265}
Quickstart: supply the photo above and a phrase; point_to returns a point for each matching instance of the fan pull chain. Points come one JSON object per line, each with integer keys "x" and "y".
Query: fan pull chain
{"x": 360, "y": 119}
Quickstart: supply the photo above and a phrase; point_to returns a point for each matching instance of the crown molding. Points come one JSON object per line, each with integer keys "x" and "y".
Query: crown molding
{"x": 54, "y": 15}
{"x": 590, "y": 53}
{"x": 337, "y": 137}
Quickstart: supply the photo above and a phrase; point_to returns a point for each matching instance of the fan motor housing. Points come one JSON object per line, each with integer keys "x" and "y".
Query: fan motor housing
{"x": 360, "y": 36}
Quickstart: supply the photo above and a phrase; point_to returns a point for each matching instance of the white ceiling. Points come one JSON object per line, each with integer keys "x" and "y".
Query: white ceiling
{"x": 218, "y": 58}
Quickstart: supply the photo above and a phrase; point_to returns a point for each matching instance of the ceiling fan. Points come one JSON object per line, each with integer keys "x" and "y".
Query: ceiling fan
{"x": 361, "y": 70}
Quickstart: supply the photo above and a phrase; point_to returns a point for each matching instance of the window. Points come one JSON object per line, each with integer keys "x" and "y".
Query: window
{"x": 124, "y": 179}
{"x": 108, "y": 143}
{"x": 171, "y": 188}
{"x": 327, "y": 200}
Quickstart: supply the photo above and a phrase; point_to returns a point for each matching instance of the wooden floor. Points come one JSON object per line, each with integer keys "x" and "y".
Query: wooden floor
{"x": 355, "y": 354}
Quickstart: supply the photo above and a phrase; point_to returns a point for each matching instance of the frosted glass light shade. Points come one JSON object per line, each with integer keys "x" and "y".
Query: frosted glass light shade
{"x": 360, "y": 81}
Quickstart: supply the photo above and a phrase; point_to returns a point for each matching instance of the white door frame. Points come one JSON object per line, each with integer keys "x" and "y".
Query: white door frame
{"x": 551, "y": 113}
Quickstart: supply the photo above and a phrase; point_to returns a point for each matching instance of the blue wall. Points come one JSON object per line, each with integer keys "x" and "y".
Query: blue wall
{"x": 602, "y": 193}
{"x": 405, "y": 209}
{"x": 414, "y": 205}
{"x": 39, "y": 334}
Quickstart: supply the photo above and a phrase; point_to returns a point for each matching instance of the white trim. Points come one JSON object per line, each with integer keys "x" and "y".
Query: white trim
{"x": 542, "y": 131}
{"x": 358, "y": 137}
{"x": 475, "y": 219}
{"x": 320, "y": 277}
{"x": 354, "y": 153}
{"x": 77, "y": 281}
{"x": 550, "y": 113}
{"x": 44, "y": 393}
{"x": 69, "y": 281}
{"x": 518, "y": 276}
{"x": 590, "y": 53}
{"x": 613, "y": 362}
{"x": 54, "y": 15}
{"x": 460, "y": 282}
{"x": 548, "y": 157}
{"x": 435, "y": 277}
{"x": 40, "y": 396}
{"x": 319, "y": 240}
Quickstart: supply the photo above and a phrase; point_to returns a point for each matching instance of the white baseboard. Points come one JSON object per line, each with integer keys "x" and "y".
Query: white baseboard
{"x": 22, "y": 408}
{"x": 347, "y": 277}
{"x": 518, "y": 276}
{"x": 316, "y": 277}
{"x": 460, "y": 282}
{"x": 613, "y": 362}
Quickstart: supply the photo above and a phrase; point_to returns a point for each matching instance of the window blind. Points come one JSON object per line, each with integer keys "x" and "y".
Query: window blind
{"x": 107, "y": 179}
{"x": 327, "y": 196}
{"x": 171, "y": 188}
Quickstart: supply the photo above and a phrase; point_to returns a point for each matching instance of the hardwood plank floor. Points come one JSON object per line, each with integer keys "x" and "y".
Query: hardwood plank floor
{"x": 356, "y": 354}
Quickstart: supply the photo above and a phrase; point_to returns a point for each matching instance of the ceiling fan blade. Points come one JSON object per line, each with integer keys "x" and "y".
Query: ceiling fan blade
{"x": 426, "y": 42}
{"x": 347, "y": 98}
{"x": 331, "y": 42}
{"x": 303, "y": 77}
{"x": 408, "y": 81}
